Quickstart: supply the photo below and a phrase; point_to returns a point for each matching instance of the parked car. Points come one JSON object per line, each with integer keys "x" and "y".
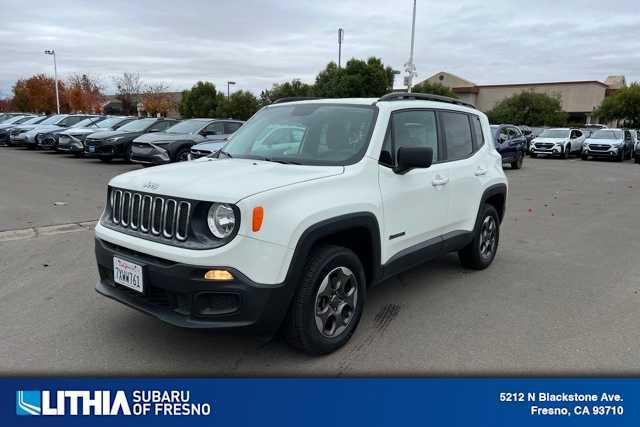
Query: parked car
{"x": 265, "y": 236}
{"x": 607, "y": 143}
{"x": 109, "y": 145}
{"x": 11, "y": 122}
{"x": 174, "y": 144}
{"x": 510, "y": 143}
{"x": 49, "y": 139}
{"x": 29, "y": 138}
{"x": 17, "y": 135}
{"x": 5, "y": 131}
{"x": 206, "y": 148}
{"x": 72, "y": 140}
{"x": 558, "y": 142}
{"x": 636, "y": 148}
{"x": 6, "y": 116}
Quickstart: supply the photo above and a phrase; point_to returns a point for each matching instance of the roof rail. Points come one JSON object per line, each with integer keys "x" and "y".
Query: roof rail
{"x": 413, "y": 96}
{"x": 293, "y": 99}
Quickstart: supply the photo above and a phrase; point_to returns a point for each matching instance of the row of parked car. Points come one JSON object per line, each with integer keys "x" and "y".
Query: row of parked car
{"x": 596, "y": 141}
{"x": 148, "y": 141}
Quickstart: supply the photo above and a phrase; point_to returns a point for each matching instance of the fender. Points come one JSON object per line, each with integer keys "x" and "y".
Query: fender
{"x": 497, "y": 189}
{"x": 175, "y": 146}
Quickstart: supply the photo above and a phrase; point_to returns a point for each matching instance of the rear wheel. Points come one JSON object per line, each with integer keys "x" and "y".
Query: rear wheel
{"x": 566, "y": 152}
{"x": 182, "y": 155}
{"x": 584, "y": 157}
{"x": 517, "y": 164}
{"x": 621, "y": 156}
{"x": 479, "y": 254}
{"x": 127, "y": 154}
{"x": 327, "y": 306}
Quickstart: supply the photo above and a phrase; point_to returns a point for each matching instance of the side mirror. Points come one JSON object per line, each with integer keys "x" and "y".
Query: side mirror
{"x": 154, "y": 130}
{"x": 413, "y": 158}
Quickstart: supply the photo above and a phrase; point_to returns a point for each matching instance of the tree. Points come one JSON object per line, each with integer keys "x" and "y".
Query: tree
{"x": 357, "y": 79}
{"x": 283, "y": 90}
{"x": 38, "y": 94}
{"x": 529, "y": 108}
{"x": 434, "y": 88}
{"x": 624, "y": 105}
{"x": 128, "y": 88}
{"x": 84, "y": 93}
{"x": 156, "y": 100}
{"x": 241, "y": 105}
{"x": 5, "y": 104}
{"x": 199, "y": 101}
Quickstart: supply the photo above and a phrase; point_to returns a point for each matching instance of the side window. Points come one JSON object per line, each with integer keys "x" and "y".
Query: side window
{"x": 161, "y": 126}
{"x": 504, "y": 135}
{"x": 478, "y": 137}
{"x": 231, "y": 127}
{"x": 216, "y": 128}
{"x": 415, "y": 129}
{"x": 457, "y": 135}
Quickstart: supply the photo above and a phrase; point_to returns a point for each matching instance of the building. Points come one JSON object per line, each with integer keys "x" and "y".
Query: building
{"x": 113, "y": 105}
{"x": 578, "y": 98}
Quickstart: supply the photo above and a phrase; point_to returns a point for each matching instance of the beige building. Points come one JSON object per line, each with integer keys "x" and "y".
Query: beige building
{"x": 578, "y": 98}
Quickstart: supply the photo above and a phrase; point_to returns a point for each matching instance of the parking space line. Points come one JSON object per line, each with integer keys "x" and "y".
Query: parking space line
{"x": 48, "y": 230}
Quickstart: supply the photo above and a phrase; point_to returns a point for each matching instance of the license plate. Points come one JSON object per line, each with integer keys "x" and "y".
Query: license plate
{"x": 92, "y": 149}
{"x": 128, "y": 274}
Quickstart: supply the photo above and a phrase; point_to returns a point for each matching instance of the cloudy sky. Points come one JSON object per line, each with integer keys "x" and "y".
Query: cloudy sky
{"x": 258, "y": 43}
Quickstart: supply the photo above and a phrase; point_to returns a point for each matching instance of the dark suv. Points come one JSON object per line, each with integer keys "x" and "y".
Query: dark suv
{"x": 510, "y": 143}
{"x": 117, "y": 143}
{"x": 175, "y": 143}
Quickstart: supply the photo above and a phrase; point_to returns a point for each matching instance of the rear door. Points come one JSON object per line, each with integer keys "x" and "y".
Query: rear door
{"x": 415, "y": 204}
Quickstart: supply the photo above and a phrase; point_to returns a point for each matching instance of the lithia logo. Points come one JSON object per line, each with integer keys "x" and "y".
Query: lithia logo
{"x": 107, "y": 402}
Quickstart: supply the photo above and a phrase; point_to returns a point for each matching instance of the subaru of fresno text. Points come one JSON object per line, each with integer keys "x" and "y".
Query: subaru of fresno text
{"x": 293, "y": 233}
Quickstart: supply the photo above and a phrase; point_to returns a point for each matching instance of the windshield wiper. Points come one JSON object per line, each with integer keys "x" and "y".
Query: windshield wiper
{"x": 225, "y": 153}
{"x": 282, "y": 161}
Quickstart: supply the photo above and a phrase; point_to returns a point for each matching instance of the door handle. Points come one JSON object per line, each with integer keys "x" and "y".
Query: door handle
{"x": 481, "y": 171}
{"x": 439, "y": 180}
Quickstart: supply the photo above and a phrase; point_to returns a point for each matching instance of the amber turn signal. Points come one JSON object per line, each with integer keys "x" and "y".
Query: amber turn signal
{"x": 219, "y": 275}
{"x": 258, "y": 216}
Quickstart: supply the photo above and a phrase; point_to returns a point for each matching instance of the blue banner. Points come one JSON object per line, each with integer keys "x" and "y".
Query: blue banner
{"x": 320, "y": 402}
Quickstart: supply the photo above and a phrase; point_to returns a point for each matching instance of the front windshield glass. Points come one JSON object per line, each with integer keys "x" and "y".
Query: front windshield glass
{"x": 16, "y": 119}
{"x": 87, "y": 122}
{"x": 107, "y": 123}
{"x": 53, "y": 119}
{"x": 187, "y": 126}
{"x": 137, "y": 125}
{"x": 555, "y": 133}
{"x": 71, "y": 120}
{"x": 607, "y": 134}
{"x": 308, "y": 134}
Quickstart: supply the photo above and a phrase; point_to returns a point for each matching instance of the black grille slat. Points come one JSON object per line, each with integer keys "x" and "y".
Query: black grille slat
{"x": 157, "y": 215}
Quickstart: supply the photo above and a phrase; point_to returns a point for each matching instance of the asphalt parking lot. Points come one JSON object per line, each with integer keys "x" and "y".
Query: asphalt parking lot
{"x": 561, "y": 297}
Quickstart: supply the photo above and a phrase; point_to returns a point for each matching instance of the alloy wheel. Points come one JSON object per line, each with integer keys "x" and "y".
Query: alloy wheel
{"x": 335, "y": 303}
{"x": 488, "y": 237}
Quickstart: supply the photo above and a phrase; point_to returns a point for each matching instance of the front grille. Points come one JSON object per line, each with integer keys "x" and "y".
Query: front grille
{"x": 196, "y": 154}
{"x": 544, "y": 145}
{"x": 159, "y": 216}
{"x": 599, "y": 147}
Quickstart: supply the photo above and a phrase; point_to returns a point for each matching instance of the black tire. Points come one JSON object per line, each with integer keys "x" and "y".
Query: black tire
{"x": 300, "y": 328}
{"x": 182, "y": 155}
{"x": 517, "y": 164}
{"x": 106, "y": 159}
{"x": 628, "y": 156}
{"x": 584, "y": 157}
{"x": 127, "y": 154}
{"x": 533, "y": 155}
{"x": 637, "y": 159}
{"x": 472, "y": 256}
{"x": 566, "y": 152}
{"x": 620, "y": 157}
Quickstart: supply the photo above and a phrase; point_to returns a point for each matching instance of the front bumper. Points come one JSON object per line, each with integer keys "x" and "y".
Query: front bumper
{"x": 608, "y": 153}
{"x": 149, "y": 154}
{"x": 548, "y": 150}
{"x": 101, "y": 149}
{"x": 178, "y": 293}
{"x": 70, "y": 144}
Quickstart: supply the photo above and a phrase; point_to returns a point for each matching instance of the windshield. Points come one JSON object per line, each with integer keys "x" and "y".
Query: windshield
{"x": 112, "y": 121}
{"x": 71, "y": 120}
{"x": 308, "y": 134}
{"x": 188, "y": 126}
{"x": 607, "y": 134}
{"x": 87, "y": 122}
{"x": 16, "y": 119}
{"x": 53, "y": 119}
{"x": 35, "y": 120}
{"x": 137, "y": 125}
{"x": 555, "y": 133}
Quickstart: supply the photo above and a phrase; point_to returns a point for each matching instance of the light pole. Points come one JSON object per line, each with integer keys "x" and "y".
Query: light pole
{"x": 229, "y": 84}
{"x": 340, "y": 38}
{"x": 55, "y": 75}
{"x": 410, "y": 67}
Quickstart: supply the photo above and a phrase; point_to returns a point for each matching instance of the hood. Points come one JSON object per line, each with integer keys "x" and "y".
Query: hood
{"x": 112, "y": 133}
{"x": 210, "y": 145}
{"x": 44, "y": 128}
{"x": 155, "y": 137}
{"x": 554, "y": 140}
{"x": 220, "y": 180}
{"x": 604, "y": 141}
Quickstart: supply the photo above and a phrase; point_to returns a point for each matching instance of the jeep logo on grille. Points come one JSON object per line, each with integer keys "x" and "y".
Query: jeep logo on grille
{"x": 151, "y": 186}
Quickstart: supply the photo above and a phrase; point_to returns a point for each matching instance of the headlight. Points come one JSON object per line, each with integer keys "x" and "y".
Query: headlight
{"x": 221, "y": 220}
{"x": 115, "y": 139}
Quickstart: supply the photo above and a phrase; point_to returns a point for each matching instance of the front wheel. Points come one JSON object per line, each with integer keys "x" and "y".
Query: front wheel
{"x": 182, "y": 155}
{"x": 566, "y": 152}
{"x": 479, "y": 254}
{"x": 533, "y": 155}
{"x": 327, "y": 306}
{"x": 637, "y": 159}
{"x": 517, "y": 164}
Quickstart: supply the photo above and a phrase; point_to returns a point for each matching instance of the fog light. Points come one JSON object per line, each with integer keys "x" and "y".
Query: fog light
{"x": 219, "y": 275}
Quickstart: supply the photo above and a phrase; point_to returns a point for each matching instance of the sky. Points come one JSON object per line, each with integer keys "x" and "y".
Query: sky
{"x": 259, "y": 43}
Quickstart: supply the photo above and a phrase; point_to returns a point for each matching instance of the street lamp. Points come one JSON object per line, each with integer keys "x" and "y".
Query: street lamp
{"x": 229, "y": 84}
{"x": 410, "y": 67}
{"x": 340, "y": 38}
{"x": 55, "y": 75}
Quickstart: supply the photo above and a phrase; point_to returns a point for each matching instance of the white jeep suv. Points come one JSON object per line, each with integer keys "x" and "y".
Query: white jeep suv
{"x": 294, "y": 231}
